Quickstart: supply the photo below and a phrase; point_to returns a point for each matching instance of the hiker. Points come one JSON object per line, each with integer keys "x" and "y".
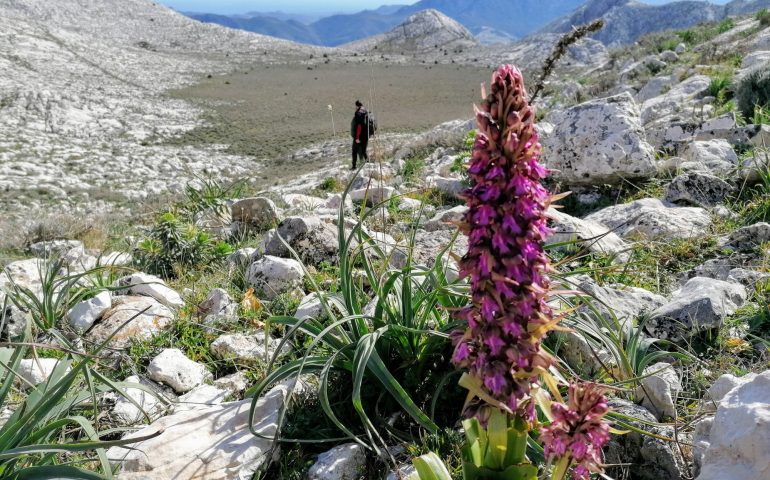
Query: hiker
{"x": 359, "y": 130}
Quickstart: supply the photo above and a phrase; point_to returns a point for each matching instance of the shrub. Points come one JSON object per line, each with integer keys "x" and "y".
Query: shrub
{"x": 413, "y": 168}
{"x": 719, "y": 88}
{"x": 209, "y": 194}
{"x": 173, "y": 244}
{"x": 668, "y": 44}
{"x": 330, "y": 184}
{"x": 726, "y": 25}
{"x": 763, "y": 16}
{"x": 753, "y": 91}
{"x": 688, "y": 36}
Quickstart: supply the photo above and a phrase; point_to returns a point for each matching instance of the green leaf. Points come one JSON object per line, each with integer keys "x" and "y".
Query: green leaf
{"x": 57, "y": 472}
{"x": 430, "y": 467}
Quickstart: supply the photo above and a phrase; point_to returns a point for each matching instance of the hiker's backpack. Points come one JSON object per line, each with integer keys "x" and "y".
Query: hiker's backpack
{"x": 372, "y": 124}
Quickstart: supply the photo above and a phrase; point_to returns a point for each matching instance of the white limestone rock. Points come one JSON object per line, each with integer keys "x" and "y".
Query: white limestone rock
{"x": 83, "y": 315}
{"x": 659, "y": 389}
{"x": 586, "y": 234}
{"x": 218, "y": 306}
{"x": 343, "y": 462}
{"x": 245, "y": 349}
{"x": 153, "y": 405}
{"x": 600, "y": 141}
{"x": 373, "y": 194}
{"x": 209, "y": 443}
{"x": 450, "y": 187}
{"x": 651, "y": 458}
{"x": 651, "y": 218}
{"x": 147, "y": 317}
{"x": 270, "y": 276}
{"x": 234, "y": 383}
{"x": 56, "y": 248}
{"x": 174, "y": 369}
{"x": 314, "y": 240}
{"x": 738, "y": 442}
{"x": 151, "y": 286}
{"x": 698, "y": 188}
{"x": 700, "y": 305}
{"x": 749, "y": 237}
{"x": 241, "y": 257}
{"x": 24, "y": 273}
{"x": 444, "y": 220}
{"x": 716, "y": 156}
{"x": 14, "y": 320}
{"x": 620, "y": 303}
{"x": 309, "y": 307}
{"x": 257, "y": 213}
{"x": 199, "y": 397}
{"x": 37, "y": 370}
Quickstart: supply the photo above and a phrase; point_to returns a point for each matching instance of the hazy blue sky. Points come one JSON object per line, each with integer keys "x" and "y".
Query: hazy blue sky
{"x": 298, "y": 6}
{"x": 289, "y": 6}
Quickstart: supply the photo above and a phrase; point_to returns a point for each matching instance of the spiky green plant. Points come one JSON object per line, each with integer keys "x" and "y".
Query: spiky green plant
{"x": 55, "y": 429}
{"x": 391, "y": 342}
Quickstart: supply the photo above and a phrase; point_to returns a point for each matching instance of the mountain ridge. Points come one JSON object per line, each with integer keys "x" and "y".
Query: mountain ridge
{"x": 627, "y": 20}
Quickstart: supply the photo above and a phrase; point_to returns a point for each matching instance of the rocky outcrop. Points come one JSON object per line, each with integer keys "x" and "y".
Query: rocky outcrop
{"x": 627, "y": 20}
{"x": 130, "y": 318}
{"x": 600, "y": 141}
{"x": 245, "y": 349}
{"x": 648, "y": 457}
{"x": 314, "y": 240}
{"x": 343, "y": 462}
{"x": 85, "y": 313}
{"x": 585, "y": 234}
{"x": 699, "y": 189}
{"x": 173, "y": 368}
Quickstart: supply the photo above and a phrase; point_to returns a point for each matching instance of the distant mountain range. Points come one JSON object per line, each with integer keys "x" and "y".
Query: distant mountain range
{"x": 495, "y": 21}
{"x": 491, "y": 20}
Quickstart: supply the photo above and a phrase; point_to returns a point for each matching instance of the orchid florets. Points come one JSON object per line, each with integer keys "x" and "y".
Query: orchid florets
{"x": 578, "y": 430}
{"x": 506, "y": 265}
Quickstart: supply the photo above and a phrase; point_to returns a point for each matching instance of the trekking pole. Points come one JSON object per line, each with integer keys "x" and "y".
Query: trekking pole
{"x": 331, "y": 112}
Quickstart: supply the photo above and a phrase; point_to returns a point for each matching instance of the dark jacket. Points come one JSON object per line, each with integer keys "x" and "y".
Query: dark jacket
{"x": 359, "y": 128}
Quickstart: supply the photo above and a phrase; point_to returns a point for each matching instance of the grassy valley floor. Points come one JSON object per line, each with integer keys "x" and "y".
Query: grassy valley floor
{"x": 269, "y": 111}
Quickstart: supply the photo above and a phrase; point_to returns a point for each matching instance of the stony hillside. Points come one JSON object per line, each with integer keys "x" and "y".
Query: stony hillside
{"x": 82, "y": 82}
{"x": 627, "y": 20}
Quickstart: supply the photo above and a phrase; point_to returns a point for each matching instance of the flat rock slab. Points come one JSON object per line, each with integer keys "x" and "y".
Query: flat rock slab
{"x": 151, "y": 318}
{"x": 651, "y": 218}
{"x": 207, "y": 443}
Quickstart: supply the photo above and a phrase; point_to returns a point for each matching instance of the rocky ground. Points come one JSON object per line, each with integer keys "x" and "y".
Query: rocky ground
{"x": 669, "y": 210}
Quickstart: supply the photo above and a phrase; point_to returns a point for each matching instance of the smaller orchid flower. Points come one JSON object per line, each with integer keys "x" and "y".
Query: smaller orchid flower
{"x": 578, "y": 431}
